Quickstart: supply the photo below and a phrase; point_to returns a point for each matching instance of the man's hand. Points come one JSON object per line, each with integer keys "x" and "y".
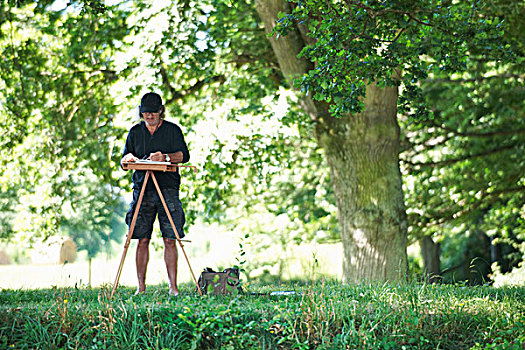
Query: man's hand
{"x": 157, "y": 157}
{"x": 128, "y": 158}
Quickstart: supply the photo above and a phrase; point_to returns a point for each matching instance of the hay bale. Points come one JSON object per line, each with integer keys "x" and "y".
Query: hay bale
{"x": 68, "y": 251}
{"x": 4, "y": 258}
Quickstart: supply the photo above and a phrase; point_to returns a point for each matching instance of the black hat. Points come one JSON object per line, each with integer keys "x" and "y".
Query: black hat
{"x": 150, "y": 102}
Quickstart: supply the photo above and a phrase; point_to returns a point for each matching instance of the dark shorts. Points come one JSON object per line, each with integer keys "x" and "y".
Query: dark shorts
{"x": 150, "y": 207}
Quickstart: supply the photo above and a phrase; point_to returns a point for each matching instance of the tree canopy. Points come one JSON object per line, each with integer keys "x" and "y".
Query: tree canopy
{"x": 71, "y": 78}
{"x": 59, "y": 148}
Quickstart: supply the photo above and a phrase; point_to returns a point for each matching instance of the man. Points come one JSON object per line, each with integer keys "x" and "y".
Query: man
{"x": 158, "y": 140}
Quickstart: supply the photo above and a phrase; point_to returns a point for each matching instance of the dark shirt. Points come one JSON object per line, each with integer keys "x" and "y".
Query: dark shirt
{"x": 167, "y": 139}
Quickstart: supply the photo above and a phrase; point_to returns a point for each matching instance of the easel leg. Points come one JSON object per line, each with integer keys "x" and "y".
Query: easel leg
{"x": 130, "y": 233}
{"x": 175, "y": 230}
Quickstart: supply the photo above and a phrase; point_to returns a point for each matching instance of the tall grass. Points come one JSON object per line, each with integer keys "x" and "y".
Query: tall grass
{"x": 321, "y": 315}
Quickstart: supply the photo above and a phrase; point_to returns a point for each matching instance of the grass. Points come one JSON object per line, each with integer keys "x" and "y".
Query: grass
{"x": 321, "y": 315}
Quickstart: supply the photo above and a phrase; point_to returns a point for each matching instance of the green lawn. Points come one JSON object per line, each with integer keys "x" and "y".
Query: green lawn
{"x": 323, "y": 315}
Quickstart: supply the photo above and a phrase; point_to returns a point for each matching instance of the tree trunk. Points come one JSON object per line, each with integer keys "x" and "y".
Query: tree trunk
{"x": 362, "y": 152}
{"x": 431, "y": 252}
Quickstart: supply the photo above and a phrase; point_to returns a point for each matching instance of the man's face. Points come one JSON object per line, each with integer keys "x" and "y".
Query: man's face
{"x": 151, "y": 119}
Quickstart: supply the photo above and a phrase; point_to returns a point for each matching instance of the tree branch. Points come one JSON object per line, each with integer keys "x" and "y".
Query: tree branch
{"x": 460, "y": 159}
{"x": 449, "y": 133}
{"x": 476, "y": 133}
{"x": 91, "y": 73}
{"x": 476, "y": 79}
{"x": 486, "y": 198}
{"x": 176, "y": 94}
{"x": 15, "y": 52}
{"x": 419, "y": 21}
{"x": 428, "y": 144}
{"x": 374, "y": 13}
{"x": 434, "y": 142}
{"x": 487, "y": 134}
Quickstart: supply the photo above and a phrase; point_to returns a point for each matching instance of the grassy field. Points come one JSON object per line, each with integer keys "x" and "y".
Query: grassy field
{"x": 320, "y": 315}
{"x": 217, "y": 253}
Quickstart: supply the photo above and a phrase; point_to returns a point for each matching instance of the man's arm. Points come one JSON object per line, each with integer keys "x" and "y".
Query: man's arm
{"x": 176, "y": 157}
{"x": 182, "y": 154}
{"x": 178, "y": 144}
{"x": 128, "y": 154}
{"x": 128, "y": 158}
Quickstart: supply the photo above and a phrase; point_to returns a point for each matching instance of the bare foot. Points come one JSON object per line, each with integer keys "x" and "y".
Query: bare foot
{"x": 140, "y": 291}
{"x": 174, "y": 292}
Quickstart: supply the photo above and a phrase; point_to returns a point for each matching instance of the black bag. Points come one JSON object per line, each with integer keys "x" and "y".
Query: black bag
{"x": 220, "y": 283}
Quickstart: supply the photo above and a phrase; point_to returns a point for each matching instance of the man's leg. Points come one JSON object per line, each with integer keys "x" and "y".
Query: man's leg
{"x": 170, "y": 258}
{"x": 142, "y": 258}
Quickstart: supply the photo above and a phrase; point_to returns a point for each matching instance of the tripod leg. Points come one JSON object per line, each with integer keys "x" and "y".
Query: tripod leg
{"x": 130, "y": 233}
{"x": 175, "y": 230}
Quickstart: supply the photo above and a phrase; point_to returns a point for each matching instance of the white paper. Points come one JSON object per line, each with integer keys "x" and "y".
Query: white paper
{"x": 145, "y": 161}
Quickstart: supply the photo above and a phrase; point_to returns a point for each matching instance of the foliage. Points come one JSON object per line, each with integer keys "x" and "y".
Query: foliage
{"x": 514, "y": 278}
{"x": 57, "y": 115}
{"x": 454, "y": 63}
{"x": 468, "y": 159}
{"x": 105, "y": 224}
{"x": 464, "y": 168}
{"x": 200, "y": 66}
{"x": 323, "y": 315}
{"x": 390, "y": 43}
{"x": 65, "y": 74}
{"x": 247, "y": 133}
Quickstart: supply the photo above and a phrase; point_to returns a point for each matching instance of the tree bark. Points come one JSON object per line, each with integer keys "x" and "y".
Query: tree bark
{"x": 431, "y": 252}
{"x": 363, "y": 154}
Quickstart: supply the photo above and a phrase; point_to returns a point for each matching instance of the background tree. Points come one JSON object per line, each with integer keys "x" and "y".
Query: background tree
{"x": 56, "y": 114}
{"x": 105, "y": 223}
{"x": 367, "y": 46}
{"x": 466, "y": 164}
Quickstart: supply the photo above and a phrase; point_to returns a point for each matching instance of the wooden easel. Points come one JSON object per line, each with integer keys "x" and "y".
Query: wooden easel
{"x": 150, "y": 168}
